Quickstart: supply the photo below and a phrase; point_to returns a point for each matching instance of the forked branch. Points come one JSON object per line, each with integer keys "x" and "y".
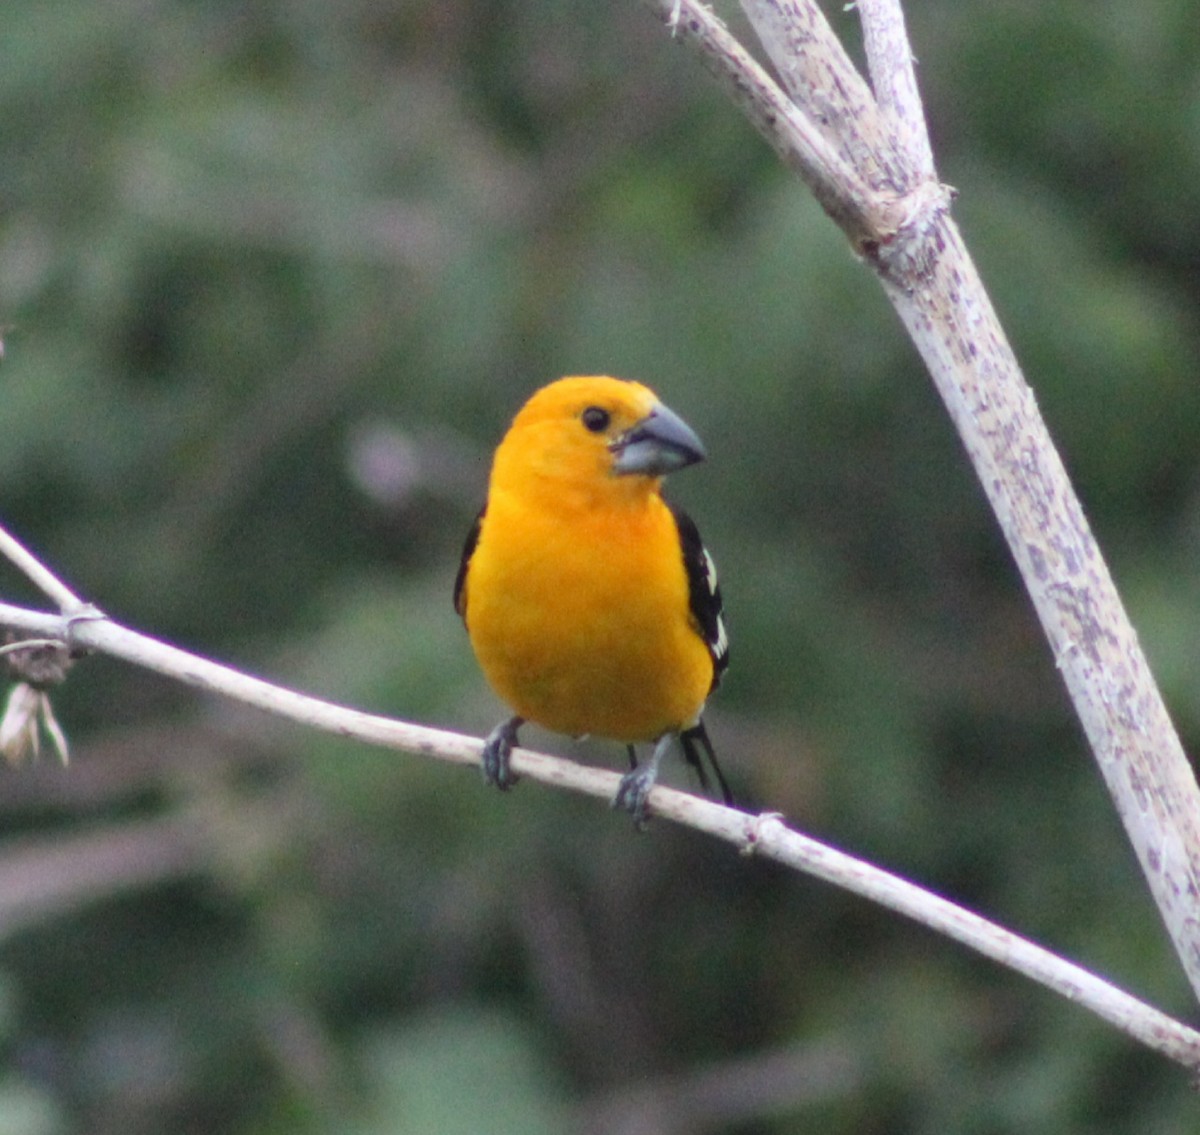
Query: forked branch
{"x": 903, "y": 231}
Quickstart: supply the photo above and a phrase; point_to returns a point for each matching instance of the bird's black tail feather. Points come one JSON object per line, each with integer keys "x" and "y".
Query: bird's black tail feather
{"x": 696, "y": 746}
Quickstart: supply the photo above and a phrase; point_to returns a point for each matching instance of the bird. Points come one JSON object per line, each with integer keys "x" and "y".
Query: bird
{"x": 591, "y": 602}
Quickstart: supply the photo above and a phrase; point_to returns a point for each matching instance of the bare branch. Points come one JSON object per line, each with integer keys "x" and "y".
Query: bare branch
{"x": 760, "y": 835}
{"x": 1135, "y": 744}
{"x": 797, "y": 137}
{"x": 894, "y": 79}
{"x": 42, "y": 577}
{"x": 1149, "y": 1026}
{"x": 821, "y": 78}
{"x": 928, "y": 275}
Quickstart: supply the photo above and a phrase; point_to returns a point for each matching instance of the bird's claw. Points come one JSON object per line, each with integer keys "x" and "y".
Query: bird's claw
{"x": 496, "y": 752}
{"x": 633, "y": 794}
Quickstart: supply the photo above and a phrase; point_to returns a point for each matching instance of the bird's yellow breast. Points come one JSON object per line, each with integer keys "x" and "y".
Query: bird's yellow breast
{"x": 577, "y": 608}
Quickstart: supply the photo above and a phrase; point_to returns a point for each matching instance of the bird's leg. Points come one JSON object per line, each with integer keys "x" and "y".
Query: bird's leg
{"x": 636, "y": 784}
{"x": 496, "y": 751}
{"x": 632, "y": 757}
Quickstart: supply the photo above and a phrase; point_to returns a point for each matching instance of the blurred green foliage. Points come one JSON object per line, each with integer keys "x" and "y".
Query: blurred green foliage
{"x": 273, "y": 277}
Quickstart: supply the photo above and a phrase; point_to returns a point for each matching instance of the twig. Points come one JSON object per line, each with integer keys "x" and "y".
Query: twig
{"x": 30, "y": 644}
{"x": 894, "y": 80}
{"x": 822, "y": 80}
{"x": 43, "y": 578}
{"x": 798, "y": 136}
{"x": 761, "y": 835}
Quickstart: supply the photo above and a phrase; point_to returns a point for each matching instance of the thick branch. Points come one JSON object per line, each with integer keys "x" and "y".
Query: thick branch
{"x": 931, "y": 281}
{"x": 948, "y": 315}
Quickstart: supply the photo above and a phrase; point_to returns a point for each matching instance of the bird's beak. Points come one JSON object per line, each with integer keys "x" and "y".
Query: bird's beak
{"x": 659, "y": 444}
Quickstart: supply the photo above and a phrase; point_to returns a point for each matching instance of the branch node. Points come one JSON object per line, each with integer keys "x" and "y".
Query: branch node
{"x": 79, "y": 613}
{"x": 901, "y": 248}
{"x": 758, "y": 829}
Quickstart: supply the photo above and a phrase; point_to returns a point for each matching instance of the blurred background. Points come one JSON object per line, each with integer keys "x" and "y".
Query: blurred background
{"x": 274, "y": 276}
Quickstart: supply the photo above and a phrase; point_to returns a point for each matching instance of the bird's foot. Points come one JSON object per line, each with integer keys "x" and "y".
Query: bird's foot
{"x": 496, "y": 752}
{"x": 633, "y": 793}
{"x": 634, "y": 790}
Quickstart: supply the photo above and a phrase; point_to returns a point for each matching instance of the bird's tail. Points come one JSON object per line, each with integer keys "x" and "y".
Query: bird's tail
{"x": 696, "y": 746}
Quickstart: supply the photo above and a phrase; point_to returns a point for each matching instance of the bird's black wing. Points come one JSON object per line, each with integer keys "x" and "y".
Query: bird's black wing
{"x": 704, "y": 593}
{"x": 460, "y": 580}
{"x": 704, "y": 600}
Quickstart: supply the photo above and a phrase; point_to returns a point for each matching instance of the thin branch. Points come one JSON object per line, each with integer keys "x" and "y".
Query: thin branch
{"x": 796, "y": 135}
{"x": 822, "y": 80}
{"x": 1133, "y": 1017}
{"x": 894, "y": 80}
{"x": 30, "y": 644}
{"x": 764, "y": 836}
{"x": 42, "y": 577}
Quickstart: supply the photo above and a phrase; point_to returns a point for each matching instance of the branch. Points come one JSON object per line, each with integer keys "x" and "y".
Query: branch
{"x": 925, "y": 270}
{"x": 894, "y": 80}
{"x": 765, "y": 836}
{"x": 823, "y": 82}
{"x": 39, "y": 575}
{"x": 797, "y": 136}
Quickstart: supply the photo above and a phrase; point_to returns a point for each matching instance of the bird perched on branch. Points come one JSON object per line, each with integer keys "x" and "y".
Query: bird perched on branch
{"x": 591, "y": 603}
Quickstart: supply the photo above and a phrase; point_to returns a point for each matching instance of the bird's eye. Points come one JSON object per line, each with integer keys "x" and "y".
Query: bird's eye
{"x": 596, "y": 419}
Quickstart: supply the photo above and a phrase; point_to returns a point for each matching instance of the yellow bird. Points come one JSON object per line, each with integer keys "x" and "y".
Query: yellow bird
{"x": 591, "y": 603}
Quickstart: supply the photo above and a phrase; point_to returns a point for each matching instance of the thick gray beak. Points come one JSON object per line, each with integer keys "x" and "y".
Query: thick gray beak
{"x": 660, "y": 443}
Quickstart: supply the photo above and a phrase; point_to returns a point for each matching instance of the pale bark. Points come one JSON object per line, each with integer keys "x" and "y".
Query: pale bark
{"x": 902, "y": 229}
{"x": 766, "y": 835}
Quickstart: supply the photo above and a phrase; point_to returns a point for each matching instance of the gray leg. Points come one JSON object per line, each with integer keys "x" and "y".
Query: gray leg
{"x": 496, "y": 751}
{"x": 636, "y": 784}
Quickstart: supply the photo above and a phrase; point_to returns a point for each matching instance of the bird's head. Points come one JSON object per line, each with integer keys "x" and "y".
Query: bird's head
{"x": 582, "y": 429}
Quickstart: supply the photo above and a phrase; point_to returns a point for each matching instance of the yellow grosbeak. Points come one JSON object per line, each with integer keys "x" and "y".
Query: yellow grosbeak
{"x": 591, "y": 603}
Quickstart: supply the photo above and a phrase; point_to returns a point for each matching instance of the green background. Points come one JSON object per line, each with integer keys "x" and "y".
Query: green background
{"x": 273, "y": 278}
